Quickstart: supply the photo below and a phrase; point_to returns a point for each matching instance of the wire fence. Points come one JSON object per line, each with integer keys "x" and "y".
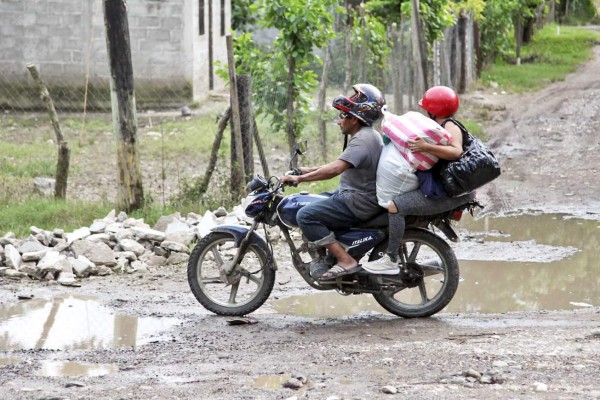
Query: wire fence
{"x": 77, "y": 93}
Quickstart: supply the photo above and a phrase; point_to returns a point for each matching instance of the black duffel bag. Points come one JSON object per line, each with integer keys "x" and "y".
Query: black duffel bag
{"x": 475, "y": 167}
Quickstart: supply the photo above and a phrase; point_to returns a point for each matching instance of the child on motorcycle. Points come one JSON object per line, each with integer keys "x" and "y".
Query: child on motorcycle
{"x": 441, "y": 103}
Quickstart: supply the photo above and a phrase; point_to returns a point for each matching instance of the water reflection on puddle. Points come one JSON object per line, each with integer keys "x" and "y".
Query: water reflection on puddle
{"x": 73, "y": 322}
{"x": 273, "y": 382}
{"x": 67, "y": 368}
{"x": 500, "y": 286}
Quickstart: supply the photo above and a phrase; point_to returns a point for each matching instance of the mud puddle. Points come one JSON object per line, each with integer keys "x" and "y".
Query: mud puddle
{"x": 520, "y": 263}
{"x": 74, "y": 322}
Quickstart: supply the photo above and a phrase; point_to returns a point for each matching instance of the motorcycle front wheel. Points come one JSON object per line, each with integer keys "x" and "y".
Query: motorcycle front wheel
{"x": 432, "y": 279}
{"x": 241, "y": 293}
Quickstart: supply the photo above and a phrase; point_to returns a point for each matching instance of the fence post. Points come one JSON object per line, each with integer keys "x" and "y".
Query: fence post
{"x": 419, "y": 48}
{"x": 237, "y": 155}
{"x": 244, "y": 86}
{"x": 321, "y": 103}
{"x": 62, "y": 165}
{"x": 396, "y": 60}
{"x": 131, "y": 194}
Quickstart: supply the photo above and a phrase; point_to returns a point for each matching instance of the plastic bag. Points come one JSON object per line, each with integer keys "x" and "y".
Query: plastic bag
{"x": 409, "y": 126}
{"x": 394, "y": 176}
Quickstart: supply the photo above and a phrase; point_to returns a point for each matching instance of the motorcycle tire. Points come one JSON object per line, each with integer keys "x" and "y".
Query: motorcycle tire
{"x": 433, "y": 280}
{"x": 216, "y": 294}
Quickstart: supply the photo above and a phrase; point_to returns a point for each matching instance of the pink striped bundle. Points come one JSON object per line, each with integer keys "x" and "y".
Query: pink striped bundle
{"x": 402, "y": 128}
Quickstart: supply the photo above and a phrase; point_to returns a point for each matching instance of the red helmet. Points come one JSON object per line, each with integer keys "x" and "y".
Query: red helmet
{"x": 440, "y": 101}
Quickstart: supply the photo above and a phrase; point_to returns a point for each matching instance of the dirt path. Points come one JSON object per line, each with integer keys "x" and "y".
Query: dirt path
{"x": 547, "y": 144}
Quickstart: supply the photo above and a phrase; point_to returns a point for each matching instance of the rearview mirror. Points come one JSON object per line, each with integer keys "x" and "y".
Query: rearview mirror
{"x": 301, "y": 147}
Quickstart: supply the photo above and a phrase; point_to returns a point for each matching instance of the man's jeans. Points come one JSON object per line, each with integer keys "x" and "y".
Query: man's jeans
{"x": 319, "y": 219}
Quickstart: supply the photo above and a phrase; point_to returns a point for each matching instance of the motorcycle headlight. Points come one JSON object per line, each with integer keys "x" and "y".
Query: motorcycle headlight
{"x": 257, "y": 182}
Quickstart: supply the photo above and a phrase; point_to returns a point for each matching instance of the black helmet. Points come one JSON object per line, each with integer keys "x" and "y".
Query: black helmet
{"x": 365, "y": 104}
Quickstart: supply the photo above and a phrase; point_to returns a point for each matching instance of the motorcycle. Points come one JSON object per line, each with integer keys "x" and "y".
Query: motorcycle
{"x": 231, "y": 271}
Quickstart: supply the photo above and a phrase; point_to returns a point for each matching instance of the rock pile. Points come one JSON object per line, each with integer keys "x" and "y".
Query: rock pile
{"x": 114, "y": 244}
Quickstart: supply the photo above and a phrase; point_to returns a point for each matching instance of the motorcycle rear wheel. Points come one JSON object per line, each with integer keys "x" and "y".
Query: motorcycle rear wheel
{"x": 245, "y": 294}
{"x": 435, "y": 277}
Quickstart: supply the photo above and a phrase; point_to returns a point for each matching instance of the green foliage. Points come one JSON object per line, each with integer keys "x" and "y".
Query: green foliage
{"x": 241, "y": 16}
{"x": 371, "y": 30}
{"x": 303, "y": 26}
{"x": 496, "y": 27}
{"x": 578, "y": 11}
{"x": 553, "y": 56}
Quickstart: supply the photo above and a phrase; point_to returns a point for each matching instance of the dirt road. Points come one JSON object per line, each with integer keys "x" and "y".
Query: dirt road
{"x": 547, "y": 143}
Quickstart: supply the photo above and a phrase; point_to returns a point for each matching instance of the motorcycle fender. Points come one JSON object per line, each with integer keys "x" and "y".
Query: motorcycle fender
{"x": 448, "y": 230}
{"x": 239, "y": 233}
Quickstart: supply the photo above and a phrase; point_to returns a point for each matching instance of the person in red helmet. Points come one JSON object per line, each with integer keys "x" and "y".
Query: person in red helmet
{"x": 440, "y": 103}
{"x": 356, "y": 198}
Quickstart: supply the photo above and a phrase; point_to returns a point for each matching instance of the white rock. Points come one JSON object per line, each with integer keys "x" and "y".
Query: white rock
{"x": 208, "y": 222}
{"x": 98, "y": 226}
{"x": 175, "y": 246}
{"x": 13, "y": 258}
{"x": 148, "y": 234}
{"x": 133, "y": 246}
{"x": 77, "y": 234}
{"x": 540, "y": 387}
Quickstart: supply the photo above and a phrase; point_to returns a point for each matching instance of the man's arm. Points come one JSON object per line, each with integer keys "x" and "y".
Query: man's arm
{"x": 326, "y": 171}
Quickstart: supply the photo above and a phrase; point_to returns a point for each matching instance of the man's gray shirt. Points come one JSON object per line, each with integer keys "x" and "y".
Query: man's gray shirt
{"x": 358, "y": 183}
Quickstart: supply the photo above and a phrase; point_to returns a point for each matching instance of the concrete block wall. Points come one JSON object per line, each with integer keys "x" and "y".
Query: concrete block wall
{"x": 66, "y": 40}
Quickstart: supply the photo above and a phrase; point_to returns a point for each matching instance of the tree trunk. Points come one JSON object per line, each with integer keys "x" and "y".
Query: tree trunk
{"x": 261, "y": 151}
{"x": 131, "y": 193}
{"x": 478, "y": 50}
{"x": 237, "y": 184}
{"x": 62, "y": 164}
{"x": 464, "y": 59}
{"x": 518, "y": 37}
{"x": 225, "y": 117}
{"x": 362, "y": 58}
{"x": 419, "y": 47}
{"x": 290, "y": 126}
{"x": 348, "y": 50}
{"x": 396, "y": 60}
{"x": 321, "y": 103}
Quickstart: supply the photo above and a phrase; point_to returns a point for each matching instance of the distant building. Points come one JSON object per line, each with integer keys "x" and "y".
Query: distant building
{"x": 174, "y": 44}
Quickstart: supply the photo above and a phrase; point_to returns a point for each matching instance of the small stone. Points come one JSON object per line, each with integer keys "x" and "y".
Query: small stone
{"x": 473, "y": 373}
{"x": 74, "y": 384}
{"x": 389, "y": 389}
{"x": 500, "y": 364}
{"x": 487, "y": 379}
{"x": 293, "y": 383}
{"x": 540, "y": 387}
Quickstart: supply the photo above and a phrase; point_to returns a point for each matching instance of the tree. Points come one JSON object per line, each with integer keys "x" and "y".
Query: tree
{"x": 131, "y": 194}
{"x": 303, "y": 25}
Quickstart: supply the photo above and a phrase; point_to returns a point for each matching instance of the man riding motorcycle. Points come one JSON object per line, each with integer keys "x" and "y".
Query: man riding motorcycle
{"x": 355, "y": 200}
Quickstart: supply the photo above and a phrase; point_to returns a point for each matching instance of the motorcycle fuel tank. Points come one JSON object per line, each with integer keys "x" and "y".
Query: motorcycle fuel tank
{"x": 290, "y": 205}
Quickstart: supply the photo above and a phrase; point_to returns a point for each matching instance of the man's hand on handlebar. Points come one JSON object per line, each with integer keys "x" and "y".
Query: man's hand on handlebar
{"x": 291, "y": 178}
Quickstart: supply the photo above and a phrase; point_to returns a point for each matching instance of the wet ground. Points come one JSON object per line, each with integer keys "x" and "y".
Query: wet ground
{"x": 525, "y": 323}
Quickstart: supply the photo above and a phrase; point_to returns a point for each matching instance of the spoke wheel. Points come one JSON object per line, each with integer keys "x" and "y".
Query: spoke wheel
{"x": 432, "y": 278}
{"x": 239, "y": 293}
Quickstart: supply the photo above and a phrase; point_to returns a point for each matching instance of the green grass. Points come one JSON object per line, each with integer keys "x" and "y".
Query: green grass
{"x": 27, "y": 160}
{"x": 48, "y": 215}
{"x": 68, "y": 215}
{"x": 554, "y": 53}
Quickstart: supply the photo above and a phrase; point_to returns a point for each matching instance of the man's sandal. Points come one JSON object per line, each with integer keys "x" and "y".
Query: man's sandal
{"x": 336, "y": 272}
